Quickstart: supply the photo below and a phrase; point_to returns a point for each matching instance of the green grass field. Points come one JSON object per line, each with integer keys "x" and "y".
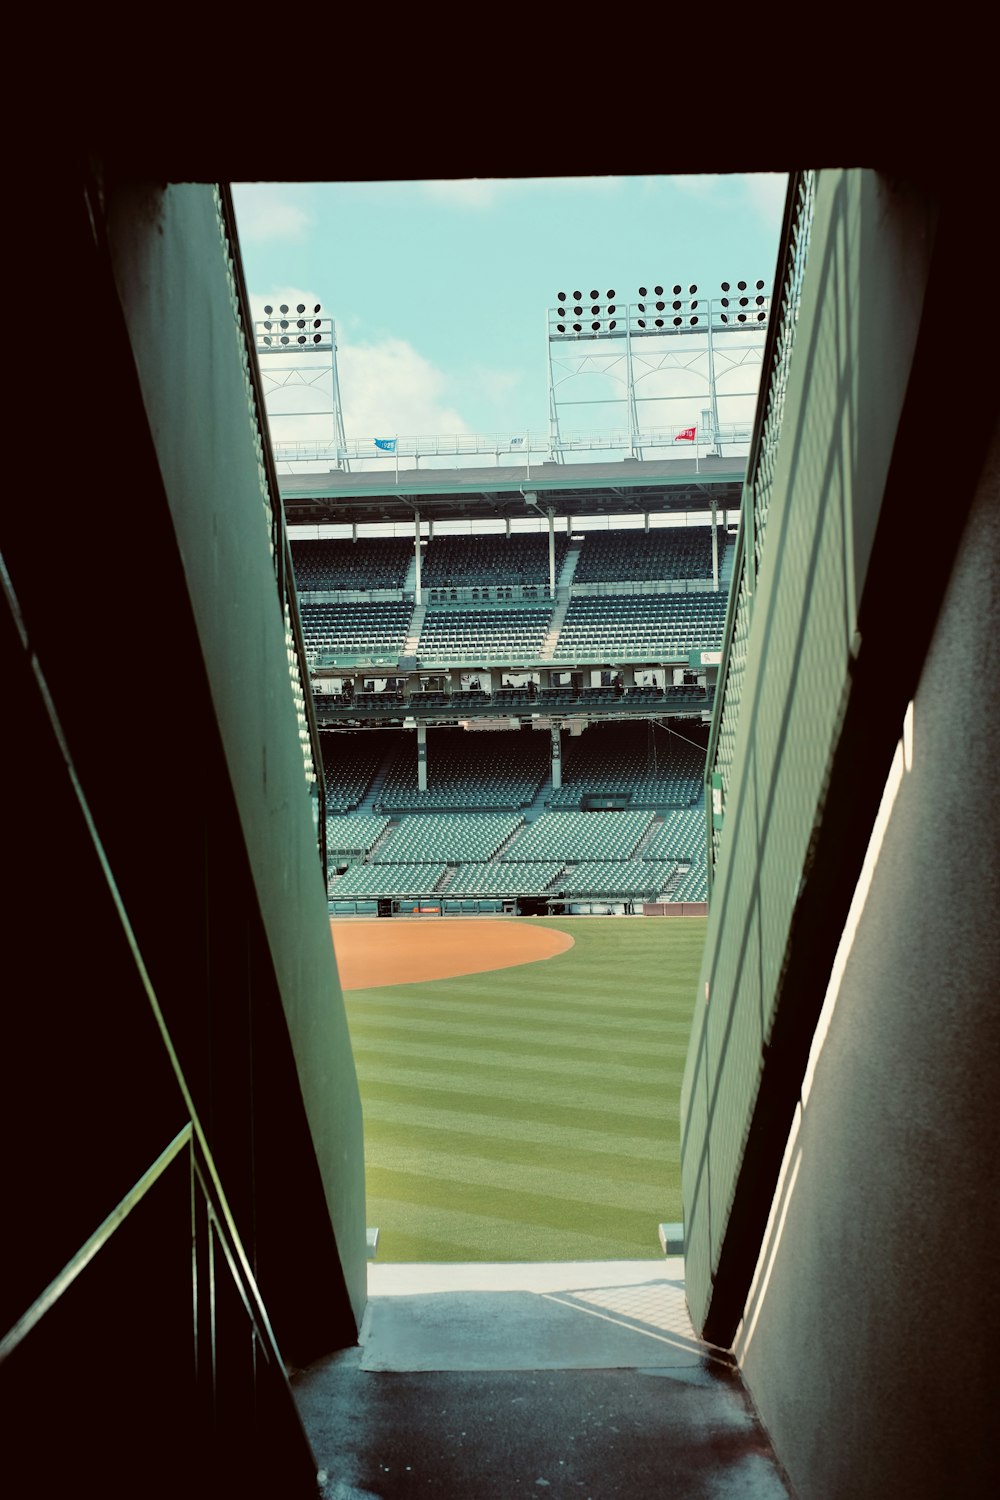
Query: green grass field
{"x": 531, "y": 1113}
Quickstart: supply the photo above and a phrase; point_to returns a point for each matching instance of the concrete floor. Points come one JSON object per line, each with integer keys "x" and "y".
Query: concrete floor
{"x": 581, "y": 1380}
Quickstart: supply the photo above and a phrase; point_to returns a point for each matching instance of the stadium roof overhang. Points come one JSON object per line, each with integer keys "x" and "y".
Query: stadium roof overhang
{"x": 629, "y": 487}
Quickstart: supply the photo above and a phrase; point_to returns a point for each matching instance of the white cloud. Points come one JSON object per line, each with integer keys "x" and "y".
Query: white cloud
{"x": 766, "y": 193}
{"x": 483, "y": 192}
{"x": 390, "y": 388}
{"x": 493, "y": 382}
{"x": 387, "y": 387}
{"x": 269, "y": 212}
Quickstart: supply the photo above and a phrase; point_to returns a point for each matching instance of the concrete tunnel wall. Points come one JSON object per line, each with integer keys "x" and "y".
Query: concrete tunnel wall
{"x": 170, "y": 269}
{"x": 863, "y": 1341}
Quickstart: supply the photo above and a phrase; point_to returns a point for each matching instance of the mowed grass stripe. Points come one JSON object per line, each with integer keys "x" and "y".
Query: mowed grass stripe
{"x": 475, "y": 1172}
{"x": 531, "y": 1113}
{"x": 580, "y": 1038}
{"x": 512, "y": 1206}
{"x": 485, "y": 1059}
{"x": 503, "y": 1090}
{"x": 483, "y": 1236}
{"x": 647, "y": 1124}
{"x": 482, "y": 1141}
{"x": 389, "y": 1121}
{"x": 549, "y": 1011}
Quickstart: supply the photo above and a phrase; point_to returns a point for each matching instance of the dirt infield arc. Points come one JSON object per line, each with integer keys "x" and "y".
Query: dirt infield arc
{"x": 372, "y": 953}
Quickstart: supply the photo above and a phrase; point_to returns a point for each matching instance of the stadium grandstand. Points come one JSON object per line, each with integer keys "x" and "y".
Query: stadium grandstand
{"x": 799, "y": 722}
{"x": 460, "y": 696}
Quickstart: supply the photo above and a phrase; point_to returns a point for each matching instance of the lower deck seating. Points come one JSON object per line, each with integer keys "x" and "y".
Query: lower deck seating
{"x": 693, "y": 885}
{"x": 656, "y": 767}
{"x": 428, "y": 838}
{"x": 647, "y": 879}
{"x": 530, "y": 878}
{"x": 386, "y": 880}
{"x": 349, "y": 765}
{"x": 353, "y": 833}
{"x": 467, "y": 838}
{"x": 486, "y": 769}
{"x": 683, "y": 835}
{"x": 580, "y": 836}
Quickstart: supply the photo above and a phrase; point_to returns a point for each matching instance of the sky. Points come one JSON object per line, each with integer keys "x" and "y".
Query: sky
{"x": 439, "y": 290}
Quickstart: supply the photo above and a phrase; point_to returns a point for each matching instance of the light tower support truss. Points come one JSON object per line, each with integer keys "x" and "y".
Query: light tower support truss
{"x": 297, "y": 351}
{"x": 658, "y": 358}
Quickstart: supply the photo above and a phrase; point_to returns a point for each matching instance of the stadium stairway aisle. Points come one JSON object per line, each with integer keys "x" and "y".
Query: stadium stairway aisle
{"x": 580, "y": 1379}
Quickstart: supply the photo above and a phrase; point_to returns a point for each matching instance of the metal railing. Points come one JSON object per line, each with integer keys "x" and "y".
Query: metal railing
{"x": 217, "y": 1249}
{"x": 507, "y": 446}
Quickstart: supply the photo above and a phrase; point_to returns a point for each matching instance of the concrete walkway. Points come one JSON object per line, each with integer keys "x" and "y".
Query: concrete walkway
{"x": 581, "y": 1379}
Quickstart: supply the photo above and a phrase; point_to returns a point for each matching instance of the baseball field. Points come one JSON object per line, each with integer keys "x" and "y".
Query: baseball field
{"x": 520, "y": 1081}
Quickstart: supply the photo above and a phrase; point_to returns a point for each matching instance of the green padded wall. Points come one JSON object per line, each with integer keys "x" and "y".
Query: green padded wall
{"x": 857, "y": 255}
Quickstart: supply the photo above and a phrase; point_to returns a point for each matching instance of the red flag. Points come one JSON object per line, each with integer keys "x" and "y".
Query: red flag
{"x": 687, "y": 436}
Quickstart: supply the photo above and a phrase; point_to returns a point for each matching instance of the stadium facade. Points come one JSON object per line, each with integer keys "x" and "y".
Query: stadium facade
{"x": 184, "y": 1154}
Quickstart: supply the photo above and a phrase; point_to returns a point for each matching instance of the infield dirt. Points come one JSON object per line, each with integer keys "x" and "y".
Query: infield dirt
{"x": 405, "y": 951}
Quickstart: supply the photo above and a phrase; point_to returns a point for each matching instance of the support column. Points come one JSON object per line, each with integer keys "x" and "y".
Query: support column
{"x": 645, "y": 518}
{"x": 552, "y": 555}
{"x": 556, "y": 757}
{"x": 354, "y": 531}
{"x": 416, "y": 552}
{"x": 715, "y": 543}
{"x": 422, "y": 757}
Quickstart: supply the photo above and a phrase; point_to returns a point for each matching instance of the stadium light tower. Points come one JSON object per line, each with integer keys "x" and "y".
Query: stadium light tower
{"x": 297, "y": 346}
{"x": 675, "y": 339}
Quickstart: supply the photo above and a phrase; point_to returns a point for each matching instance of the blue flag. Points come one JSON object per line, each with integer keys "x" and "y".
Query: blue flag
{"x": 387, "y": 445}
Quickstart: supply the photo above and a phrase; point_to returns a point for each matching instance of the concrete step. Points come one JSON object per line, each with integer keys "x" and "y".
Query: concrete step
{"x": 511, "y": 1380}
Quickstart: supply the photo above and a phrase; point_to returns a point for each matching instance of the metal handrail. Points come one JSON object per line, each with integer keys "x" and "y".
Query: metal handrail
{"x": 191, "y": 1133}
{"x": 64, "y": 1280}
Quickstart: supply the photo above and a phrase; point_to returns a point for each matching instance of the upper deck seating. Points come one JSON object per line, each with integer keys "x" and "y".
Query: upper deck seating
{"x": 490, "y": 633}
{"x": 468, "y": 561}
{"x": 641, "y": 627}
{"x": 376, "y": 630}
{"x": 638, "y": 556}
{"x": 336, "y": 563}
